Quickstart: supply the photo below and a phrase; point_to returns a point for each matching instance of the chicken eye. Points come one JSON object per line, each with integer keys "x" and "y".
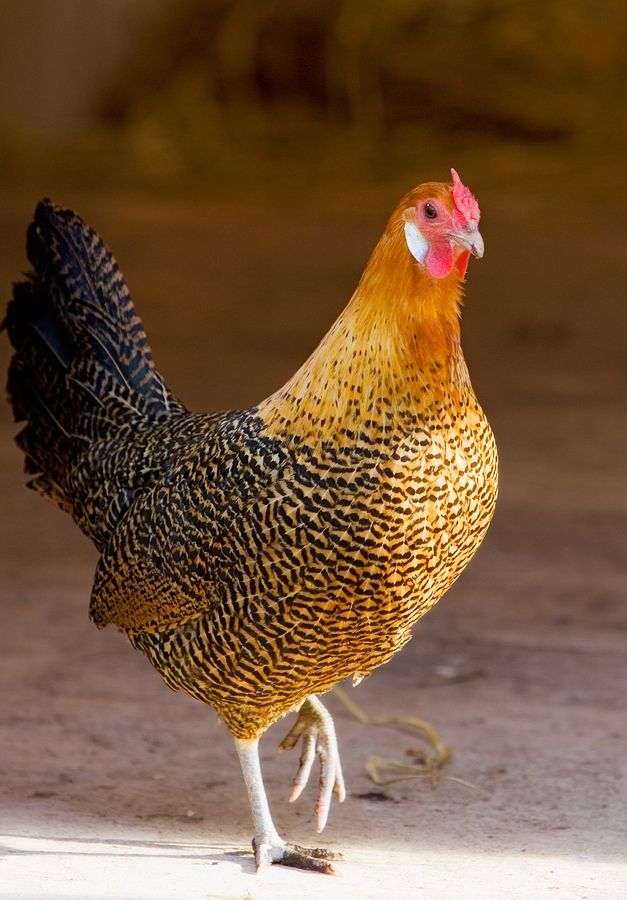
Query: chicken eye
{"x": 430, "y": 211}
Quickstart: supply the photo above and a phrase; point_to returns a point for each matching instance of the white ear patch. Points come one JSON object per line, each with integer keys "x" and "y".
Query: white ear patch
{"x": 417, "y": 244}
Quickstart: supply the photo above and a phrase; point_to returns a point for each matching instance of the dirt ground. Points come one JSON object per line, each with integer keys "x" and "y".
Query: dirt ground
{"x": 114, "y": 787}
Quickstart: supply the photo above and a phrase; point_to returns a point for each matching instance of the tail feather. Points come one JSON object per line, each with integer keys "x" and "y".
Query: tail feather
{"x": 82, "y": 376}
{"x": 91, "y": 296}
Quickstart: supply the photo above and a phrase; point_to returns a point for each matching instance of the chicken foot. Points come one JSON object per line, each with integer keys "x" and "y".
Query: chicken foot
{"x": 315, "y": 726}
{"x": 268, "y": 846}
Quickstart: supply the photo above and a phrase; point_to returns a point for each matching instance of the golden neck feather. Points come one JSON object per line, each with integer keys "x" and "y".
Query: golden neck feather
{"x": 393, "y": 353}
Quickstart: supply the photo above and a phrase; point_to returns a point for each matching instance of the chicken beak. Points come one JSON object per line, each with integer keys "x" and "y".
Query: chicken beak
{"x": 470, "y": 239}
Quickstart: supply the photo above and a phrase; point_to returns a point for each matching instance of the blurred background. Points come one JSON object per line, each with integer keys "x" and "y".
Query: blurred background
{"x": 182, "y": 93}
{"x": 241, "y": 159}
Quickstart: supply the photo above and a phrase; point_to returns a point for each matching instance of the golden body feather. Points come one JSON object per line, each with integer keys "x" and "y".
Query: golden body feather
{"x": 377, "y": 479}
{"x": 258, "y": 557}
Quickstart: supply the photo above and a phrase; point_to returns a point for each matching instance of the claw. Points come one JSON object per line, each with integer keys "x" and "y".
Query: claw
{"x": 271, "y": 849}
{"x": 315, "y": 726}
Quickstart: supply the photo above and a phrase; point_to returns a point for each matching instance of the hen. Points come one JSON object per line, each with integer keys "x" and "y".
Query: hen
{"x": 258, "y": 557}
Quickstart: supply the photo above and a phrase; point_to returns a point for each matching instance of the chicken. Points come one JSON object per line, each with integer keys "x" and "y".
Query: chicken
{"x": 258, "y": 557}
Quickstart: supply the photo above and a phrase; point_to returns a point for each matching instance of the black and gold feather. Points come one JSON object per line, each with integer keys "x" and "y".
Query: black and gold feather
{"x": 258, "y": 556}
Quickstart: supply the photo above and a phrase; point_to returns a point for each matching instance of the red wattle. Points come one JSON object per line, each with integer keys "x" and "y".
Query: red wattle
{"x": 462, "y": 262}
{"x": 440, "y": 260}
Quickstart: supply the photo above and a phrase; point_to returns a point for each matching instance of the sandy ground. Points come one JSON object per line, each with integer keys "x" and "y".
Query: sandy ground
{"x": 114, "y": 787}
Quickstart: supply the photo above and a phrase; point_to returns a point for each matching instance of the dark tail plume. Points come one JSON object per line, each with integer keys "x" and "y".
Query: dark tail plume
{"x": 82, "y": 372}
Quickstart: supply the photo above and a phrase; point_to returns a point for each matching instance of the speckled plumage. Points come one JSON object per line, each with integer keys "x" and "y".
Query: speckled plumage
{"x": 256, "y": 557}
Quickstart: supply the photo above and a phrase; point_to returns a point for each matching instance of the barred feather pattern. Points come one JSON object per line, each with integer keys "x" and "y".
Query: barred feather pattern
{"x": 257, "y": 556}
{"x": 82, "y": 375}
{"x": 313, "y": 566}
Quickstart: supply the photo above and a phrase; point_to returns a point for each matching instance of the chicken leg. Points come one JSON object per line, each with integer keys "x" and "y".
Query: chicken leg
{"x": 315, "y": 726}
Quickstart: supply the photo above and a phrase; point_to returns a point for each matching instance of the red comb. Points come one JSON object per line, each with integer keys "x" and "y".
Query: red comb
{"x": 464, "y": 200}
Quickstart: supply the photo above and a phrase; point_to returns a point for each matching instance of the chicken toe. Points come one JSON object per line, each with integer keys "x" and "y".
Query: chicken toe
{"x": 268, "y": 851}
{"x": 315, "y": 726}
